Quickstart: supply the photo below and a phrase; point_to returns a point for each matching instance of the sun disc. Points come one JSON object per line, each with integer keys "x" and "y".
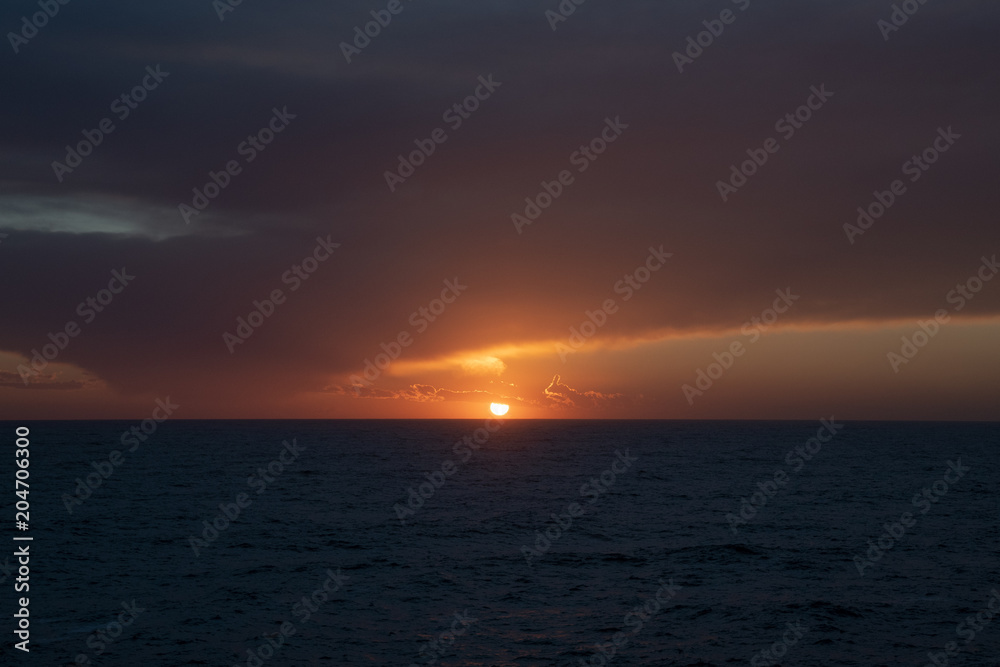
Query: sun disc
{"x": 499, "y": 409}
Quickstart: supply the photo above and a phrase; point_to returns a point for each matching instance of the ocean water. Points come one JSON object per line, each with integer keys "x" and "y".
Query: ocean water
{"x": 648, "y": 555}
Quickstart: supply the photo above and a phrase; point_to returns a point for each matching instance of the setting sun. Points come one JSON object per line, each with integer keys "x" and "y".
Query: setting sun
{"x": 499, "y": 409}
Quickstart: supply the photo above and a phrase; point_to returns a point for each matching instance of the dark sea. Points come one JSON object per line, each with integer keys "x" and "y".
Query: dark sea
{"x": 522, "y": 543}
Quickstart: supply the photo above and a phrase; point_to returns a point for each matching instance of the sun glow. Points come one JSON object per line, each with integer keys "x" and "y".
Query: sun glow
{"x": 499, "y": 409}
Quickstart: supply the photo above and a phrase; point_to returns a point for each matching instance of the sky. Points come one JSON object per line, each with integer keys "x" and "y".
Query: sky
{"x": 634, "y": 209}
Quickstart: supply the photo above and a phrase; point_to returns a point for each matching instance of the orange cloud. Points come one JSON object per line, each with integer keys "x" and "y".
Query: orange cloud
{"x": 562, "y": 395}
{"x": 420, "y": 393}
{"x": 14, "y": 381}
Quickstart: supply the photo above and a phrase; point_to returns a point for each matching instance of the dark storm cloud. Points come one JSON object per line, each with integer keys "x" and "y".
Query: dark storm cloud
{"x": 324, "y": 175}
